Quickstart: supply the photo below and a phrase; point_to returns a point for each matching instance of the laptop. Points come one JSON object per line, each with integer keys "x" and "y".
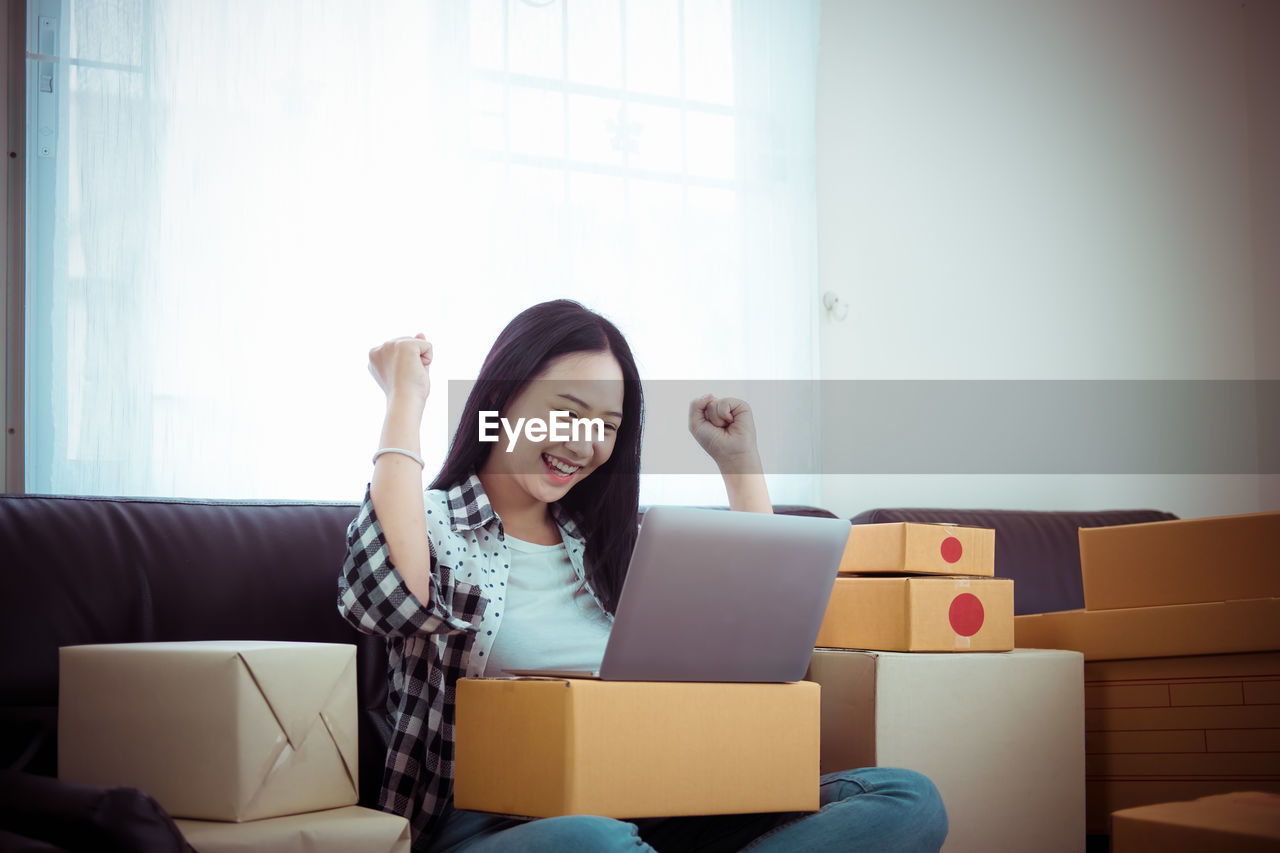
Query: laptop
{"x": 713, "y": 595}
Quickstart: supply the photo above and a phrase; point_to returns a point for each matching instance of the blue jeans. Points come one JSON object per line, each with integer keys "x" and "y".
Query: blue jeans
{"x": 873, "y": 809}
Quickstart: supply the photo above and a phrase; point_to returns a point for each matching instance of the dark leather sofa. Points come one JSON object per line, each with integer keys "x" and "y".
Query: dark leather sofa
{"x": 110, "y": 570}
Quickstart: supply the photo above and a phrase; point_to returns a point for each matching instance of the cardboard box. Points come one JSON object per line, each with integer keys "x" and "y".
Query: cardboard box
{"x": 1001, "y": 735}
{"x": 919, "y": 549}
{"x": 1221, "y": 627}
{"x": 329, "y": 831}
{"x": 1106, "y": 796}
{"x": 1180, "y": 562}
{"x": 1240, "y": 821}
{"x": 213, "y": 730}
{"x": 934, "y": 614}
{"x": 1253, "y": 668}
{"x": 542, "y": 747}
{"x": 1178, "y": 728}
{"x": 1240, "y": 766}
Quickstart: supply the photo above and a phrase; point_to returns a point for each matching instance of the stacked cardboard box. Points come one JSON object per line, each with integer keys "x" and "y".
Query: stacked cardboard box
{"x": 896, "y": 694}
{"x": 543, "y": 747}
{"x": 1182, "y": 681}
{"x": 252, "y": 745}
{"x": 1176, "y": 728}
{"x": 1000, "y": 735}
{"x": 1242, "y": 822}
{"x": 328, "y": 831}
{"x": 919, "y": 588}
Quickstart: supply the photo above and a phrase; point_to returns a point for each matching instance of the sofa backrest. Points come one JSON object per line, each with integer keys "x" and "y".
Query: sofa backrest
{"x": 1039, "y": 550}
{"x": 121, "y": 570}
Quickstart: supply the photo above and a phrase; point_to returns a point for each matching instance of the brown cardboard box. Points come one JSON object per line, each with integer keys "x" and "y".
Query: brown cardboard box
{"x": 1251, "y": 667}
{"x": 974, "y": 724}
{"x": 935, "y": 614}
{"x": 1178, "y": 728}
{"x": 1220, "y": 627}
{"x": 1239, "y": 821}
{"x": 213, "y": 730}
{"x": 1106, "y": 796}
{"x": 542, "y": 747}
{"x": 1181, "y": 562}
{"x": 329, "y": 831}
{"x": 919, "y": 549}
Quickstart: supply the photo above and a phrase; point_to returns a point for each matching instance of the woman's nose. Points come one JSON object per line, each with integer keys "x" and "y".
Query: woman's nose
{"x": 581, "y": 450}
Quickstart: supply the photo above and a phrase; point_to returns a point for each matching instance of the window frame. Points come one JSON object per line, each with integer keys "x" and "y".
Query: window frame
{"x": 12, "y": 240}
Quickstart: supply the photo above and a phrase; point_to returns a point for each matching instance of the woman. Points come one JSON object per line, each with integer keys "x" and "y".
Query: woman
{"x": 518, "y": 561}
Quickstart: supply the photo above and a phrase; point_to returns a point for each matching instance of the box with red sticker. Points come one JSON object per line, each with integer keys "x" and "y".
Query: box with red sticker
{"x": 919, "y": 614}
{"x": 908, "y": 547}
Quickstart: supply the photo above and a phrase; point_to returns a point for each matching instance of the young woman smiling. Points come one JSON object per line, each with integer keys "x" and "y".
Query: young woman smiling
{"x": 516, "y": 560}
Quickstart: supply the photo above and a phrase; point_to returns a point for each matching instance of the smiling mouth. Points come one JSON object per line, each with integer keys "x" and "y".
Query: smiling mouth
{"x": 560, "y": 471}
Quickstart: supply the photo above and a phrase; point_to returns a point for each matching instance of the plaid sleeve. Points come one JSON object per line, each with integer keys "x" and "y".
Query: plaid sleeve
{"x": 373, "y": 596}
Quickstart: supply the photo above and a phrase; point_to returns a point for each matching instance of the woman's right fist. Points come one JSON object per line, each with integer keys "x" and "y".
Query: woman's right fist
{"x": 401, "y": 367}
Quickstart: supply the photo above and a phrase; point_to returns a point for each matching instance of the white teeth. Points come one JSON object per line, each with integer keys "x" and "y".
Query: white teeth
{"x": 560, "y": 466}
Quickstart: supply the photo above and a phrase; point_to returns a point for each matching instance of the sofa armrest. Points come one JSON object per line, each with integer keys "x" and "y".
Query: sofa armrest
{"x": 39, "y": 809}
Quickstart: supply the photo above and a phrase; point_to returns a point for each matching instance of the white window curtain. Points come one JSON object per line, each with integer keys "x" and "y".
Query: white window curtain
{"x": 231, "y": 201}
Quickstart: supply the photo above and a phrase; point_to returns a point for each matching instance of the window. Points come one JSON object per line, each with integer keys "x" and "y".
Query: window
{"x": 229, "y": 203}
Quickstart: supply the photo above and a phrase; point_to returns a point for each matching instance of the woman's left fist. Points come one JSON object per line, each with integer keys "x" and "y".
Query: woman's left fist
{"x": 725, "y": 428}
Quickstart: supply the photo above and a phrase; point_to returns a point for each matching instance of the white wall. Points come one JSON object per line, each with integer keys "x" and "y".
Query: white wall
{"x": 1038, "y": 189}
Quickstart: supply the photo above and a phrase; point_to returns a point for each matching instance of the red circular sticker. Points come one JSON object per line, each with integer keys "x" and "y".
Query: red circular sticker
{"x": 952, "y": 550}
{"x": 966, "y": 614}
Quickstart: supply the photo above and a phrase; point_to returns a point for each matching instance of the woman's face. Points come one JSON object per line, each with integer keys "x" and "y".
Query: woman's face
{"x": 580, "y": 396}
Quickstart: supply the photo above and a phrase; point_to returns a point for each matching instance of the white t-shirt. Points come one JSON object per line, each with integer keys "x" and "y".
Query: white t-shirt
{"x": 550, "y": 619}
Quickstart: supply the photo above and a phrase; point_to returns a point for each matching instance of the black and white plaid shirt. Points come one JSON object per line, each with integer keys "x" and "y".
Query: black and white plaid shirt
{"x": 430, "y": 648}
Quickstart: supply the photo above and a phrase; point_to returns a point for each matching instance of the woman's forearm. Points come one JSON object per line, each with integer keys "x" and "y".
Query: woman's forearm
{"x": 396, "y": 492}
{"x": 745, "y": 483}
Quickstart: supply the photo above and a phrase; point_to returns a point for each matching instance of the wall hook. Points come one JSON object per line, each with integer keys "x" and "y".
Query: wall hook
{"x": 836, "y": 307}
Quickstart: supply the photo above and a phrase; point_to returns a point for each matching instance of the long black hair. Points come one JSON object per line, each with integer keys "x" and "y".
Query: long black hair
{"x": 604, "y": 505}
